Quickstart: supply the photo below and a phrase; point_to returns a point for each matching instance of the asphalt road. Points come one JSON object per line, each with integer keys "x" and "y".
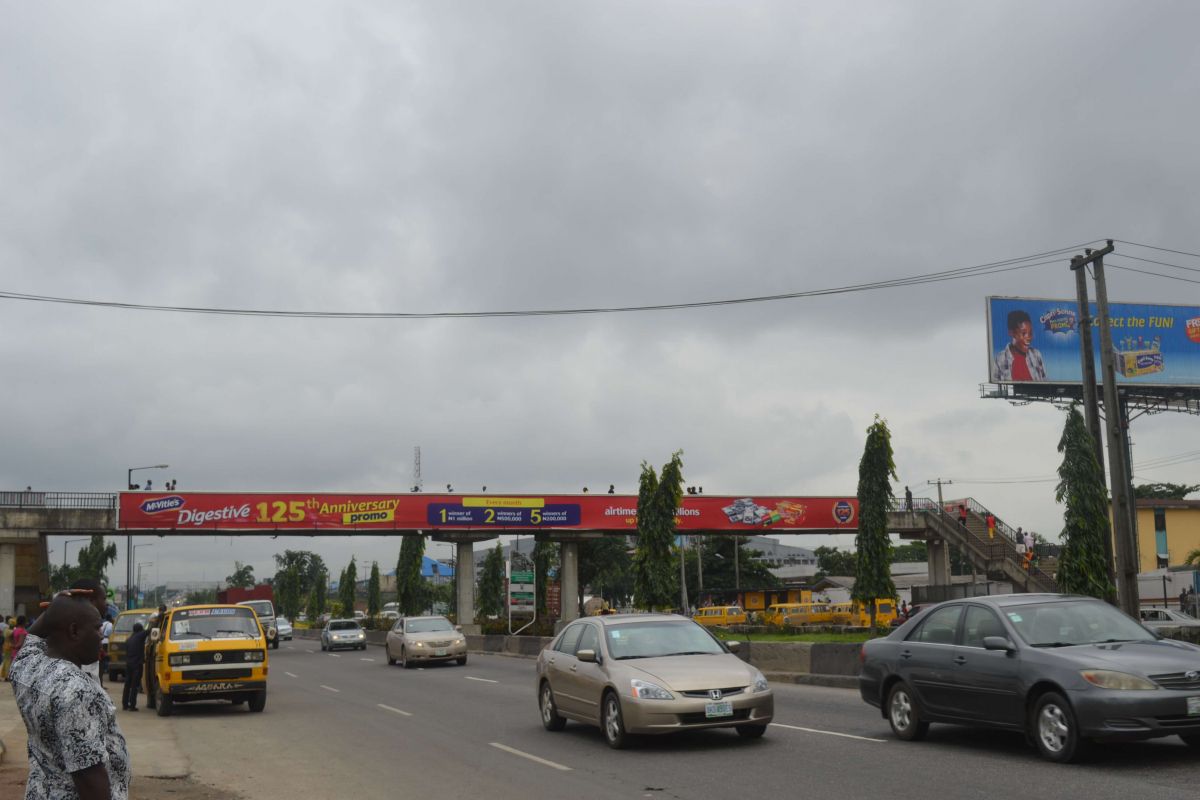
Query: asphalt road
{"x": 348, "y": 725}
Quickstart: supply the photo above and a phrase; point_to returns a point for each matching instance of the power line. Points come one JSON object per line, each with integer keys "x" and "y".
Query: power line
{"x": 991, "y": 268}
{"x": 1155, "y": 247}
{"x": 1155, "y": 274}
{"x": 1160, "y": 263}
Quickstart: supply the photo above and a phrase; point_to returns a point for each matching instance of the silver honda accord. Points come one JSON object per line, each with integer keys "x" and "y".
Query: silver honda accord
{"x": 1065, "y": 670}
{"x": 649, "y": 673}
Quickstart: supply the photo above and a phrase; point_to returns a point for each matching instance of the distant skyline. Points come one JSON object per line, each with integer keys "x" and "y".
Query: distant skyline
{"x": 527, "y": 155}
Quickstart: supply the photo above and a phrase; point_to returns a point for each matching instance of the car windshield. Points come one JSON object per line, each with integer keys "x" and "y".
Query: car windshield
{"x": 660, "y": 638}
{"x": 261, "y": 607}
{"x": 1072, "y": 622}
{"x": 429, "y": 625}
{"x": 343, "y": 625}
{"x": 125, "y": 622}
{"x": 214, "y": 623}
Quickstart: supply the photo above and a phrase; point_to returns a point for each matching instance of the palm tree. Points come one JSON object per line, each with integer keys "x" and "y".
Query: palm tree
{"x": 1193, "y": 558}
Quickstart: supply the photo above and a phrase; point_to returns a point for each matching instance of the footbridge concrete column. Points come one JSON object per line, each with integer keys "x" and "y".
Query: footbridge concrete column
{"x": 8, "y": 580}
{"x": 569, "y": 576}
{"x": 939, "y": 562}
{"x": 464, "y": 579}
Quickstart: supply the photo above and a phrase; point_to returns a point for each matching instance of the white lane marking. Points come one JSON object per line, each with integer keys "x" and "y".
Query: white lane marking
{"x": 481, "y": 680}
{"x": 330, "y": 688}
{"x": 312, "y": 651}
{"x": 827, "y": 733}
{"x": 335, "y": 655}
{"x": 366, "y": 659}
{"x": 291, "y": 675}
{"x": 517, "y": 752}
{"x": 394, "y": 710}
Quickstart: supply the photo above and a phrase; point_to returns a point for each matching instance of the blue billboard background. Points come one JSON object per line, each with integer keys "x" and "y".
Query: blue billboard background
{"x": 1155, "y": 345}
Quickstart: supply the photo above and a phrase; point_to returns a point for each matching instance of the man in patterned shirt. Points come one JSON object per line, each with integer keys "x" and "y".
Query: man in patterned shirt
{"x": 76, "y": 749}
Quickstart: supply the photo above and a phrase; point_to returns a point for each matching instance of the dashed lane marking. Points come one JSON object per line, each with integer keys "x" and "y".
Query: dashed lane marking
{"x": 291, "y": 675}
{"x": 334, "y": 655}
{"x": 394, "y": 710}
{"x": 827, "y": 733}
{"x": 481, "y": 680}
{"x": 330, "y": 688}
{"x": 531, "y": 757}
{"x": 366, "y": 659}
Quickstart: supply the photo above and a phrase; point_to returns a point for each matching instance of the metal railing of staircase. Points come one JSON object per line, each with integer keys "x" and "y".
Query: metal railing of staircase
{"x": 74, "y": 500}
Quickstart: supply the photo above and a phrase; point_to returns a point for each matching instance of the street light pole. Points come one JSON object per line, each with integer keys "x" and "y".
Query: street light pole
{"x": 129, "y": 536}
{"x": 68, "y": 542}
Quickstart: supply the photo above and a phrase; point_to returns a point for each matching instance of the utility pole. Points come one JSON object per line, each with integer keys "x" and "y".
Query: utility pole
{"x": 683, "y": 598}
{"x": 700, "y": 568}
{"x": 417, "y": 485}
{"x": 939, "y": 483}
{"x": 1116, "y": 425}
{"x": 1091, "y": 403}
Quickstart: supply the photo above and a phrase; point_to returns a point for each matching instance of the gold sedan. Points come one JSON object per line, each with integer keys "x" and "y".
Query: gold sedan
{"x": 649, "y": 673}
{"x": 414, "y": 640}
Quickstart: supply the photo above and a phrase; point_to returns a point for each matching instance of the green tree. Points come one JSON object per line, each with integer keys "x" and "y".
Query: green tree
{"x": 545, "y": 557}
{"x": 289, "y": 591}
{"x": 348, "y": 588}
{"x": 411, "y": 591}
{"x": 318, "y": 596}
{"x": 910, "y": 553}
{"x": 1164, "y": 491}
{"x": 374, "y": 598}
{"x": 655, "y": 568}
{"x": 95, "y": 558}
{"x": 719, "y": 566}
{"x": 242, "y": 577}
{"x": 876, "y": 470}
{"x": 606, "y": 568}
{"x": 832, "y": 561}
{"x": 491, "y": 584}
{"x": 197, "y": 597}
{"x": 1082, "y": 563}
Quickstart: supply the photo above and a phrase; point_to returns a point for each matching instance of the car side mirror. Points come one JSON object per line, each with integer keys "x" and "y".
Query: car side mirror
{"x": 588, "y": 656}
{"x": 733, "y": 646}
{"x": 997, "y": 643}
{"x": 458, "y": 628}
{"x": 155, "y": 634}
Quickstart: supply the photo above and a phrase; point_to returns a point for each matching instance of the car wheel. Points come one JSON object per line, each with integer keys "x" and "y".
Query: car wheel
{"x": 391, "y": 661}
{"x": 275, "y": 644}
{"x": 751, "y": 731}
{"x": 904, "y": 714}
{"x": 322, "y": 647}
{"x": 403, "y": 658}
{"x": 551, "y": 721}
{"x": 112, "y": 675}
{"x": 1191, "y": 739}
{"x": 258, "y": 700}
{"x": 1055, "y": 730}
{"x": 163, "y": 703}
{"x": 462, "y": 661}
{"x": 612, "y": 723}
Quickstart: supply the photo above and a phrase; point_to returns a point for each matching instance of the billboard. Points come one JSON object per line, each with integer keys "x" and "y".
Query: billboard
{"x": 1033, "y": 340}
{"x": 197, "y": 512}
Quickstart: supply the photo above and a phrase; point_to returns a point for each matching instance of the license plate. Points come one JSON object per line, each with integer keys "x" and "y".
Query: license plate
{"x": 1193, "y": 706}
{"x": 722, "y": 709}
{"x": 439, "y": 652}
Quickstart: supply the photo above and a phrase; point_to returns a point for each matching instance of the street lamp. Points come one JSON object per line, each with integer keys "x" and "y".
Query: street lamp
{"x": 71, "y": 541}
{"x": 129, "y": 536}
{"x": 139, "y": 573}
{"x": 131, "y": 586}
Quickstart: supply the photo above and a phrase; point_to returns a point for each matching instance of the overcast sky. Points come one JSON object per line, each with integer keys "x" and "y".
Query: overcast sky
{"x": 446, "y": 156}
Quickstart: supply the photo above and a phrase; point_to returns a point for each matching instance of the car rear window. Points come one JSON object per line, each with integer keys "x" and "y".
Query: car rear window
{"x": 343, "y": 625}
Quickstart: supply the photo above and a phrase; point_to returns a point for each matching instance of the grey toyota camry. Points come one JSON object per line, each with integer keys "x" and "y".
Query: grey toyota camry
{"x": 1064, "y": 670}
{"x": 648, "y": 673}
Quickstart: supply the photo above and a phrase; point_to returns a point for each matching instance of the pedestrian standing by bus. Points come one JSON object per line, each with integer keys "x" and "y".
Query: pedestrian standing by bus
{"x": 135, "y": 660}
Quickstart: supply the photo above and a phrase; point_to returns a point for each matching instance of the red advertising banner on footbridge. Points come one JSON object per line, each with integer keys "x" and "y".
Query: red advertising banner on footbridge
{"x": 192, "y": 512}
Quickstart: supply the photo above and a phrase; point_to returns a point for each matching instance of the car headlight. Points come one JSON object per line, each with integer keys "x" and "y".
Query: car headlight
{"x": 644, "y": 690}
{"x": 176, "y": 660}
{"x": 420, "y": 644}
{"x": 760, "y": 684}
{"x": 460, "y": 640}
{"x": 362, "y": 634}
{"x": 1107, "y": 679}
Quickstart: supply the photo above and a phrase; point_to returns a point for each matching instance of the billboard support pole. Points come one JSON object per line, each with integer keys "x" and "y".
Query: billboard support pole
{"x": 1091, "y": 402}
{"x": 1117, "y": 427}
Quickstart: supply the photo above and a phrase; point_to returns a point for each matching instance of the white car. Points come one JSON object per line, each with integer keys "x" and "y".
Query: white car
{"x": 284, "y": 629}
{"x": 1165, "y": 620}
{"x": 343, "y": 633}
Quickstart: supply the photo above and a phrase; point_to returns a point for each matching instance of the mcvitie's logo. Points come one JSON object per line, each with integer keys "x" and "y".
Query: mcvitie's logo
{"x": 843, "y": 512}
{"x": 161, "y": 504}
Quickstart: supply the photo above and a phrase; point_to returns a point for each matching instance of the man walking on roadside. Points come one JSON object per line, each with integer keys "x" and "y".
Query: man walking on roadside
{"x": 135, "y": 659}
{"x": 76, "y": 749}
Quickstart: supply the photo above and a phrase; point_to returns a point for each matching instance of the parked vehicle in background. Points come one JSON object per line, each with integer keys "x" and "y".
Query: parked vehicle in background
{"x": 265, "y": 609}
{"x": 284, "y": 629}
{"x": 649, "y": 673}
{"x": 1166, "y": 621}
{"x": 713, "y": 616}
{"x": 1062, "y": 669}
{"x": 343, "y": 633}
{"x": 208, "y": 652}
{"x": 122, "y": 629}
{"x": 415, "y": 640}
